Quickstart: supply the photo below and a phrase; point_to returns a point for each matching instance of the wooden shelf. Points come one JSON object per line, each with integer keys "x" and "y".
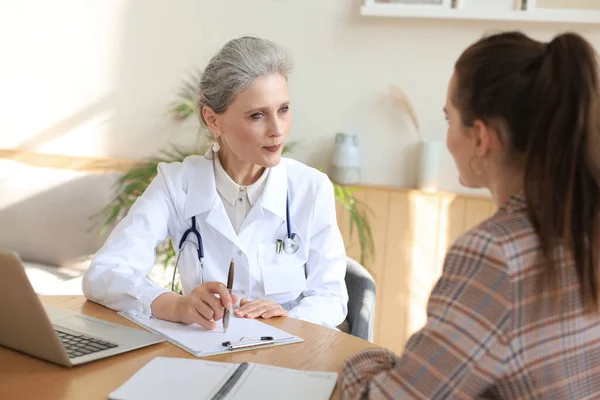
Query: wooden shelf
{"x": 538, "y": 15}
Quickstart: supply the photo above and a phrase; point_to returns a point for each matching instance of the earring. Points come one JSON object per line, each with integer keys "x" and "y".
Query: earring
{"x": 476, "y": 171}
{"x": 216, "y": 146}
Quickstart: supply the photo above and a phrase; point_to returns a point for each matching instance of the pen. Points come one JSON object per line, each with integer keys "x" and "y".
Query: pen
{"x": 227, "y": 313}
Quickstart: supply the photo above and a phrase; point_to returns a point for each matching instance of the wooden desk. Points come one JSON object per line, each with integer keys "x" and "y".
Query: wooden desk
{"x": 26, "y": 377}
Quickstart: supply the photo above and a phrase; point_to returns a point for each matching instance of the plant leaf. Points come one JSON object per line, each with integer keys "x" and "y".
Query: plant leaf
{"x": 403, "y": 101}
{"x": 359, "y": 222}
{"x": 132, "y": 184}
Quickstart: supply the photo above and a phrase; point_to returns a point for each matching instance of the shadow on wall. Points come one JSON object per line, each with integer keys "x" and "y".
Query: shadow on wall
{"x": 59, "y": 129}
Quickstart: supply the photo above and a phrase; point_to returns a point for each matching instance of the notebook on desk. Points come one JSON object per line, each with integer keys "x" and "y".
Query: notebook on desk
{"x": 242, "y": 334}
{"x": 181, "y": 378}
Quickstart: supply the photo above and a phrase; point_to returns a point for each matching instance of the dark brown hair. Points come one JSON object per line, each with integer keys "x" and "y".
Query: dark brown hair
{"x": 546, "y": 96}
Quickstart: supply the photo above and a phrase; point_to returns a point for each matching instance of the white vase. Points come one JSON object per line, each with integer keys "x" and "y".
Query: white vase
{"x": 429, "y": 165}
{"x": 346, "y": 161}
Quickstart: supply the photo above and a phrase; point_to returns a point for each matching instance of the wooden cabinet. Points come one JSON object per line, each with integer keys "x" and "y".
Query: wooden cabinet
{"x": 412, "y": 231}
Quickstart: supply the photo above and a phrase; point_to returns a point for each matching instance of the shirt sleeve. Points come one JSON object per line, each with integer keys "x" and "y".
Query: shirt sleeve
{"x": 460, "y": 351}
{"x": 325, "y": 300}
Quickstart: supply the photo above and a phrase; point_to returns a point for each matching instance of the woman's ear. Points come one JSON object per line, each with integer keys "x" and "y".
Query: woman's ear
{"x": 212, "y": 120}
{"x": 483, "y": 137}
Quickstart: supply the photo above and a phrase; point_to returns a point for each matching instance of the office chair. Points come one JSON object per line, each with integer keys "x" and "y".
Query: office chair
{"x": 361, "y": 300}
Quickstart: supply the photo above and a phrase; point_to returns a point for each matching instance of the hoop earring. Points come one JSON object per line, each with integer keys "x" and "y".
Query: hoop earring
{"x": 478, "y": 171}
{"x": 216, "y": 146}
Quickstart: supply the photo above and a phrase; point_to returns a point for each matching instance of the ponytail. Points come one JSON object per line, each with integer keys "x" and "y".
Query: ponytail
{"x": 561, "y": 180}
{"x": 548, "y": 95}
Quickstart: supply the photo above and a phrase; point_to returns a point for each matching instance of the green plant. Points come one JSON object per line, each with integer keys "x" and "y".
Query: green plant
{"x": 359, "y": 221}
{"x": 133, "y": 183}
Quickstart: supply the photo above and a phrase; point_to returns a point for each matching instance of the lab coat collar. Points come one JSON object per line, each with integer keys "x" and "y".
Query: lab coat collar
{"x": 275, "y": 193}
{"x": 202, "y": 190}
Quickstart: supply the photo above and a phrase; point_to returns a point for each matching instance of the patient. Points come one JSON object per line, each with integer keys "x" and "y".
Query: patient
{"x": 515, "y": 312}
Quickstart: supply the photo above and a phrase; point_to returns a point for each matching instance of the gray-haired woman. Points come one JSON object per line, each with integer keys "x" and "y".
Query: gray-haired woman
{"x": 242, "y": 202}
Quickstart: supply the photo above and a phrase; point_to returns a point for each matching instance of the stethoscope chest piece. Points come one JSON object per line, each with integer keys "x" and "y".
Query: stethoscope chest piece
{"x": 289, "y": 245}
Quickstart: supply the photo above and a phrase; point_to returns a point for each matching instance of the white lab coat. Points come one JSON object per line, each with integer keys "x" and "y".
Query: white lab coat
{"x": 310, "y": 283}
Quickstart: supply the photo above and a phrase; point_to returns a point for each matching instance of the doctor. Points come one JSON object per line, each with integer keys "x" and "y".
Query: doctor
{"x": 241, "y": 201}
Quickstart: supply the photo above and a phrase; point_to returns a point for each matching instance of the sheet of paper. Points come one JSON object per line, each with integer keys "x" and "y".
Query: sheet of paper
{"x": 175, "y": 378}
{"x": 283, "y": 383}
{"x": 205, "y": 342}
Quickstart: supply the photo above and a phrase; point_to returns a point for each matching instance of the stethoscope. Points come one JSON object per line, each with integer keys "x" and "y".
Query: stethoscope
{"x": 290, "y": 244}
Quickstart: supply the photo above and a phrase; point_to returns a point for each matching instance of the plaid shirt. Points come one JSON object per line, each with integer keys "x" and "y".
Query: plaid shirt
{"x": 491, "y": 331}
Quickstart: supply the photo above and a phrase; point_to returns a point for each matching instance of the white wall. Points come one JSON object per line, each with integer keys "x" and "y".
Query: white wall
{"x": 90, "y": 77}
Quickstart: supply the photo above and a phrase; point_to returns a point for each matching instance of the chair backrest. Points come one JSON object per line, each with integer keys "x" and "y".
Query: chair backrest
{"x": 361, "y": 300}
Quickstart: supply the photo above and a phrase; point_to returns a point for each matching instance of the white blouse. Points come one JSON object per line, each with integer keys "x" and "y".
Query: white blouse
{"x": 237, "y": 199}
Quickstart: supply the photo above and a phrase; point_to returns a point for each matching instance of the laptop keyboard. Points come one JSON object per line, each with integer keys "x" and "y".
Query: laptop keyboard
{"x": 82, "y": 345}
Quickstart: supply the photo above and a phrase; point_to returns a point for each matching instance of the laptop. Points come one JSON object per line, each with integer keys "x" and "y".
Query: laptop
{"x": 53, "y": 334}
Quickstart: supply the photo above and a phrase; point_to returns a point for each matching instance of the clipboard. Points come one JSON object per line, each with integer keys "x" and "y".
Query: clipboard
{"x": 243, "y": 334}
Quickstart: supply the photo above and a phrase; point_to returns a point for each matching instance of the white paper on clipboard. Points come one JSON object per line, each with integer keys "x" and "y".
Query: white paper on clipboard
{"x": 202, "y": 342}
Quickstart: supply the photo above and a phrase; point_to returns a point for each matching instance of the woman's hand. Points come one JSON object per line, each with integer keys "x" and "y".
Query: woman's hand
{"x": 203, "y": 307}
{"x": 260, "y": 308}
